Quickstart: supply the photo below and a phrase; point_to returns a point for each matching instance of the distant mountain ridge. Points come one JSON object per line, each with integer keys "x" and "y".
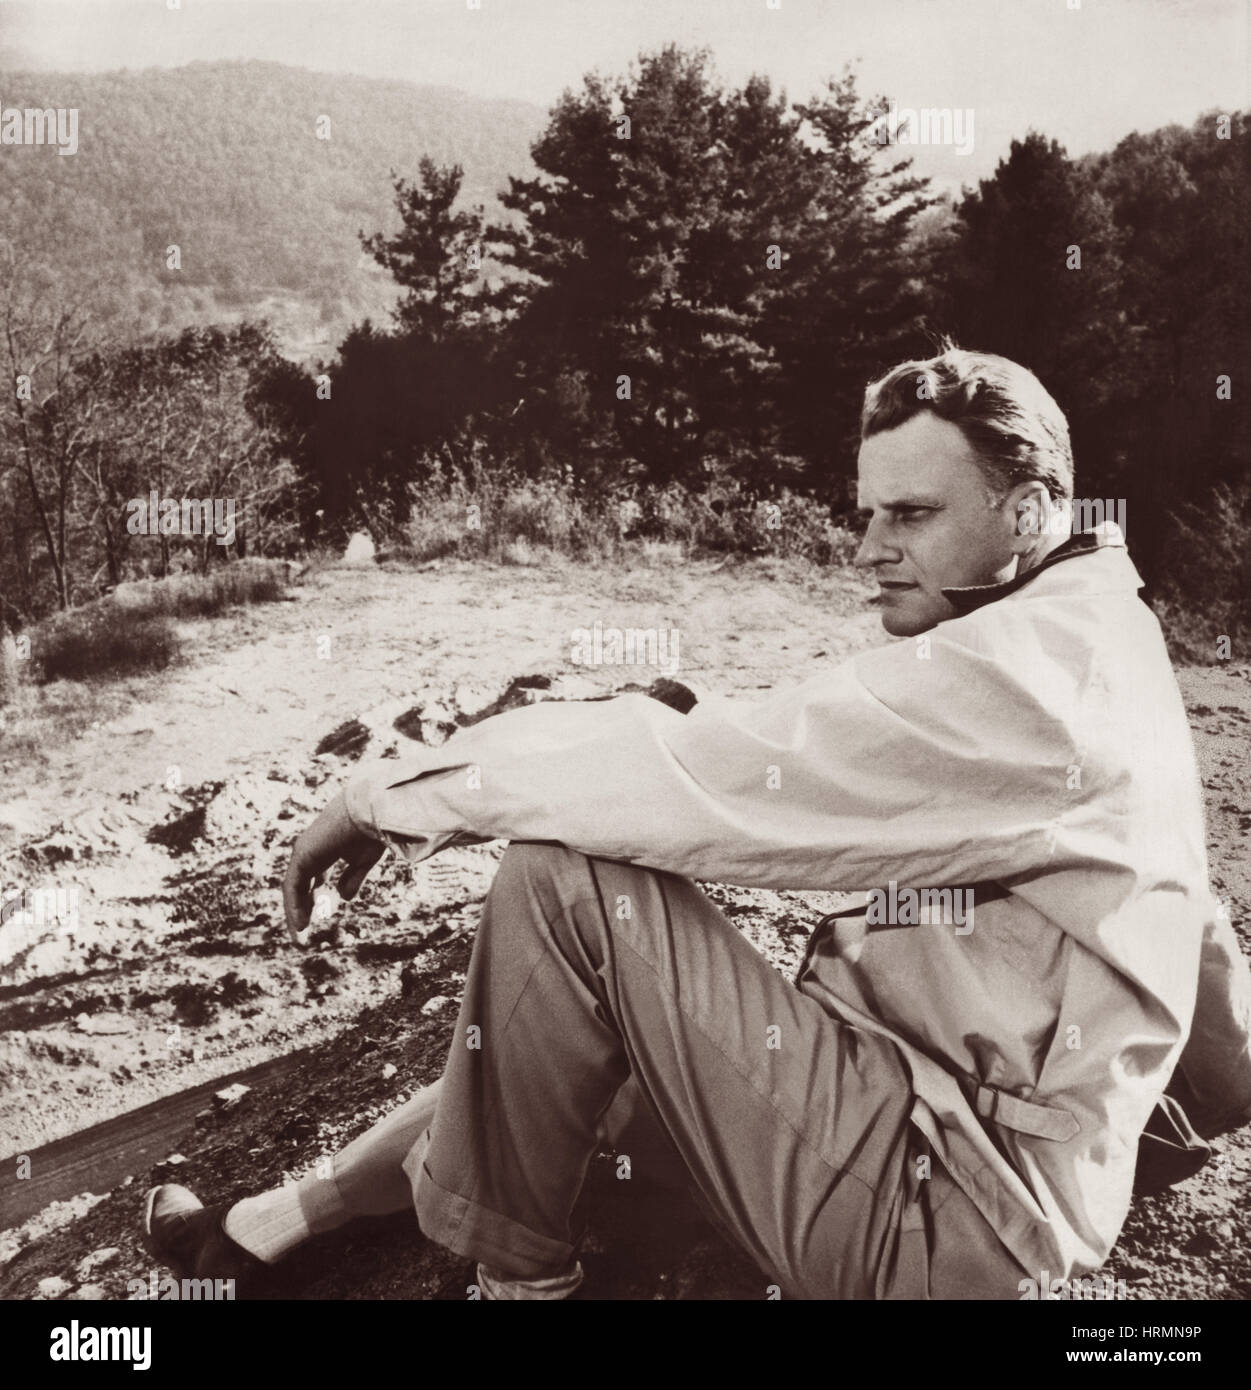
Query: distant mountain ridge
{"x": 223, "y": 160}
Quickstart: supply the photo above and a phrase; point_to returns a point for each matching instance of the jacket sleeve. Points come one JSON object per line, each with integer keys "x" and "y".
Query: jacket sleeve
{"x": 882, "y": 768}
{"x": 1216, "y": 1061}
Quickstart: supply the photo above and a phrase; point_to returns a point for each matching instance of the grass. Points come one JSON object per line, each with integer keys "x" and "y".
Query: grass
{"x": 520, "y": 521}
{"x": 204, "y": 595}
{"x": 133, "y": 630}
{"x": 1204, "y": 603}
{"x": 101, "y": 639}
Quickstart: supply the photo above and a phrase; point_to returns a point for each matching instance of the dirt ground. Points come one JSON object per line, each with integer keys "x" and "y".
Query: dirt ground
{"x": 168, "y": 804}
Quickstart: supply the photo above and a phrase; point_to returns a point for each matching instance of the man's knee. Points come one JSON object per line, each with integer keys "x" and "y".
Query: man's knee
{"x": 538, "y": 883}
{"x": 528, "y": 864}
{"x": 559, "y": 890}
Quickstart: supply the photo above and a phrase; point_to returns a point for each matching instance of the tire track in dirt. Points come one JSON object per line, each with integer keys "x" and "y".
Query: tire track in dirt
{"x": 97, "y": 1159}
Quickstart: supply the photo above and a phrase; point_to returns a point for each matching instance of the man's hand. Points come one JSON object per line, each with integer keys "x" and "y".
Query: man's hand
{"x": 331, "y": 837}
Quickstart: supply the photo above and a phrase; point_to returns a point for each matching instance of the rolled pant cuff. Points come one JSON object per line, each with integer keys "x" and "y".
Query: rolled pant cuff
{"x": 476, "y": 1232}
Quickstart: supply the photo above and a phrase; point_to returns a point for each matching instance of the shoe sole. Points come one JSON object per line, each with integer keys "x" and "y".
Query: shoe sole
{"x": 147, "y": 1211}
{"x": 149, "y": 1240}
{"x": 150, "y": 1243}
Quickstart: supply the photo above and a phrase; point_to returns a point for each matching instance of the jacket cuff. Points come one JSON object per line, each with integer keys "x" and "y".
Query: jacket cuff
{"x": 358, "y": 798}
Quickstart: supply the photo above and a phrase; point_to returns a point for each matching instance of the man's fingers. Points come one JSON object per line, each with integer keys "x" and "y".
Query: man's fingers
{"x": 299, "y": 887}
{"x": 331, "y": 837}
{"x": 297, "y": 896}
{"x": 353, "y": 876}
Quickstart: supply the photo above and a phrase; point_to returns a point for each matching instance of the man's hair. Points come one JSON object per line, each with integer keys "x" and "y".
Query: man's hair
{"x": 1016, "y": 429}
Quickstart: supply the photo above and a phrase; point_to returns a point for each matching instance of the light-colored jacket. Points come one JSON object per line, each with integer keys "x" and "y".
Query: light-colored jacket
{"x": 1036, "y": 747}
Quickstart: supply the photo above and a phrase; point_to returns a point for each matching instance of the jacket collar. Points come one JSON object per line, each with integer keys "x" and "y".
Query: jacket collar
{"x": 1107, "y": 536}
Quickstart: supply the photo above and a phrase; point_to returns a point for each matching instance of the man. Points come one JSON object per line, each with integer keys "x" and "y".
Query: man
{"x": 940, "y": 1108}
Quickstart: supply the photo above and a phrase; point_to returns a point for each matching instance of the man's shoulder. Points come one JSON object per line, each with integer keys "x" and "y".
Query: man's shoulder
{"x": 1027, "y": 663}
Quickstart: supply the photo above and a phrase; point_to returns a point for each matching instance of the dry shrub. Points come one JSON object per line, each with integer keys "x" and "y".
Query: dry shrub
{"x": 205, "y": 595}
{"x": 101, "y": 639}
{"x": 1205, "y": 593}
{"x": 514, "y": 520}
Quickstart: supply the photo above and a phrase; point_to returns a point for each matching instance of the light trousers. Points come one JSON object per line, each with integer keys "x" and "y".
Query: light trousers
{"x": 606, "y": 1000}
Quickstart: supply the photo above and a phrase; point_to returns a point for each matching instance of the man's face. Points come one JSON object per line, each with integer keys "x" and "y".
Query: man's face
{"x": 931, "y": 523}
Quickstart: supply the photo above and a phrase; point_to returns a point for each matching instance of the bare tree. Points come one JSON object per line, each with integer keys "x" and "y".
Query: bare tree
{"x": 47, "y": 416}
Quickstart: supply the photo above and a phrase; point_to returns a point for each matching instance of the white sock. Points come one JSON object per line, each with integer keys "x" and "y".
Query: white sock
{"x": 275, "y": 1222}
{"x": 498, "y": 1287}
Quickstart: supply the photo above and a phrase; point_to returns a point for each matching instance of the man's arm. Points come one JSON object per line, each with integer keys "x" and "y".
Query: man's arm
{"x": 334, "y": 836}
{"x": 877, "y": 769}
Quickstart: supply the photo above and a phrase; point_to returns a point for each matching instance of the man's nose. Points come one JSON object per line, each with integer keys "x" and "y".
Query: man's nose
{"x": 873, "y": 549}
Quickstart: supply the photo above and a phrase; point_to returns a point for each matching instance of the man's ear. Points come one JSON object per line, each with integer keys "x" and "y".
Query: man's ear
{"x": 1032, "y": 513}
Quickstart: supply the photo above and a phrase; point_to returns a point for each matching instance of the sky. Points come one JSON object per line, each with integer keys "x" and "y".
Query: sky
{"x": 1086, "y": 76}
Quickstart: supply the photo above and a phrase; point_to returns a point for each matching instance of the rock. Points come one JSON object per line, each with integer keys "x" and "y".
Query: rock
{"x": 230, "y": 1096}
{"x": 103, "y": 1025}
{"x": 360, "y": 549}
{"x": 434, "y": 1004}
{"x": 389, "y": 1071}
{"x": 672, "y": 693}
{"x": 91, "y": 1293}
{"x": 470, "y": 698}
{"x": 54, "y": 1287}
{"x": 89, "y": 1264}
{"x": 1210, "y": 1239}
{"x": 521, "y": 690}
{"x": 431, "y": 723}
{"x": 298, "y": 1127}
{"x": 58, "y": 847}
{"x": 346, "y": 741}
{"x": 318, "y": 970}
{"x": 233, "y": 988}
{"x": 179, "y": 834}
{"x": 193, "y": 1002}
